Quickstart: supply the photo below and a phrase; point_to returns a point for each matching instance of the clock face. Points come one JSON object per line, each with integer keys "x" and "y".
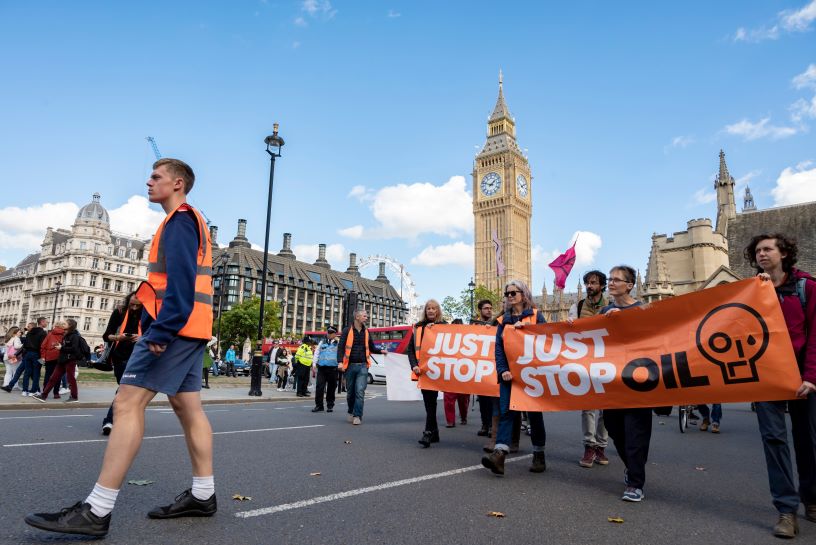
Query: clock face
{"x": 521, "y": 185}
{"x": 491, "y": 183}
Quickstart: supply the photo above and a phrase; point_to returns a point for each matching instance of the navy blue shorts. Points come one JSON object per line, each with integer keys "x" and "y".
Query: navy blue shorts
{"x": 177, "y": 369}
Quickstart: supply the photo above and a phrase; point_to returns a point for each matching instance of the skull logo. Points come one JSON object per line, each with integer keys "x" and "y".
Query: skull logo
{"x": 733, "y": 337}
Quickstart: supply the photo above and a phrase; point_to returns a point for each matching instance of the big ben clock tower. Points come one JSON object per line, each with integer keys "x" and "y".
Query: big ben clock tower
{"x": 502, "y": 206}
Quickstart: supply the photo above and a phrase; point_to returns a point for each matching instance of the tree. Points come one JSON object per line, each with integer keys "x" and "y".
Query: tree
{"x": 241, "y": 321}
{"x": 459, "y": 307}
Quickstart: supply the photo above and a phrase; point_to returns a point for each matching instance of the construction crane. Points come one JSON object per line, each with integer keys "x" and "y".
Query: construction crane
{"x": 154, "y": 146}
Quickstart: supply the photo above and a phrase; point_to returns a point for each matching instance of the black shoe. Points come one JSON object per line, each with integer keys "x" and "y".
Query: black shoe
{"x": 318, "y": 410}
{"x": 435, "y": 436}
{"x": 106, "y": 428}
{"x": 426, "y": 439}
{"x": 539, "y": 464}
{"x": 186, "y": 505}
{"x": 484, "y": 431}
{"x": 330, "y": 409}
{"x": 6, "y": 389}
{"x": 207, "y": 386}
{"x": 76, "y": 519}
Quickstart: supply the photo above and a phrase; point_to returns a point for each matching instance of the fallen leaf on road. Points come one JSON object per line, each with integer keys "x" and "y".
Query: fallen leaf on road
{"x": 616, "y": 520}
{"x": 347, "y": 442}
{"x": 314, "y": 474}
{"x": 140, "y": 482}
{"x": 662, "y": 423}
{"x": 239, "y": 497}
{"x": 700, "y": 468}
{"x": 497, "y": 514}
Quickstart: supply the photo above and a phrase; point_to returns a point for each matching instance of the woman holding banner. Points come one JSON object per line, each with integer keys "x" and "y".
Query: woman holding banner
{"x": 431, "y": 314}
{"x": 630, "y": 429}
{"x": 518, "y": 312}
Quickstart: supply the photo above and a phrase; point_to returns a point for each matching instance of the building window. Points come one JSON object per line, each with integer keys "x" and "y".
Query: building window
{"x": 89, "y": 303}
{"x": 93, "y": 280}
{"x": 130, "y": 286}
{"x": 107, "y": 265}
{"x": 95, "y": 263}
{"x": 103, "y": 303}
{"x": 131, "y": 270}
{"x": 132, "y": 254}
{"x": 87, "y": 325}
{"x": 96, "y": 248}
{"x": 121, "y": 252}
{"x": 82, "y": 245}
{"x": 118, "y": 286}
{"x": 119, "y": 267}
{"x": 106, "y": 283}
{"x": 73, "y": 300}
{"x": 101, "y": 324}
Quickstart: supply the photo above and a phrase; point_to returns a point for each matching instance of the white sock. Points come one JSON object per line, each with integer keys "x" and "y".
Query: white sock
{"x": 102, "y": 500}
{"x": 203, "y": 487}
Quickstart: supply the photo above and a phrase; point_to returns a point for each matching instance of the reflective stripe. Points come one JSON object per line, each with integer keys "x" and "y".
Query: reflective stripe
{"x": 198, "y": 297}
{"x": 162, "y": 268}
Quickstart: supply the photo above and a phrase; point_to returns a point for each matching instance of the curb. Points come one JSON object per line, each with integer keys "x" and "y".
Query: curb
{"x": 154, "y": 403}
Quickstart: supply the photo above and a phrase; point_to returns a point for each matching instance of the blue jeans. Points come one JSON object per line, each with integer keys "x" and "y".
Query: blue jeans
{"x": 214, "y": 368}
{"x": 356, "y": 382}
{"x": 32, "y": 365}
{"x": 774, "y": 431}
{"x": 504, "y": 435}
{"x": 715, "y": 414}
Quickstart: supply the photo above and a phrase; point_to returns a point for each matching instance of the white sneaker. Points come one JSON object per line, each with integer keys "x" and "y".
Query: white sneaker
{"x": 25, "y": 394}
{"x": 64, "y": 391}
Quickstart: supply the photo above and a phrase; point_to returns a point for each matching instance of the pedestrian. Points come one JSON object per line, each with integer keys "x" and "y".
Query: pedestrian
{"x": 354, "y": 357}
{"x": 431, "y": 315}
{"x": 50, "y": 351}
{"x": 12, "y": 358}
{"x": 212, "y": 350}
{"x": 229, "y": 359}
{"x": 303, "y": 363}
{"x": 72, "y": 350}
{"x": 593, "y": 430}
{"x": 630, "y": 429}
{"x": 32, "y": 341}
{"x": 488, "y": 406}
{"x": 273, "y": 377}
{"x": 774, "y": 256}
{"x": 325, "y": 369}
{"x": 177, "y": 323}
{"x": 451, "y": 399}
{"x": 711, "y": 418}
{"x": 124, "y": 330}
{"x": 518, "y": 312}
{"x": 282, "y": 368}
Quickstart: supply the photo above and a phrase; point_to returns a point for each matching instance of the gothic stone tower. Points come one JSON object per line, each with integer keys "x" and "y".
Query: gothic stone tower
{"x": 502, "y": 202}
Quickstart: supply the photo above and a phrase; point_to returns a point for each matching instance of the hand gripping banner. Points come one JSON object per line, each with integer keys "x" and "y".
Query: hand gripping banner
{"x": 459, "y": 359}
{"x": 723, "y": 344}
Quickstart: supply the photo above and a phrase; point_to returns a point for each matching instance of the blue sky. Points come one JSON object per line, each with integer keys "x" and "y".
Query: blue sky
{"x": 622, "y": 108}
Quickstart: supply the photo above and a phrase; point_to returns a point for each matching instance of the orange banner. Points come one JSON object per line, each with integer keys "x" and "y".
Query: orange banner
{"x": 459, "y": 359}
{"x": 723, "y": 344}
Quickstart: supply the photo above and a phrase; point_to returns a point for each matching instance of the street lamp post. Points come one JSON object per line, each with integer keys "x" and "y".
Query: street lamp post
{"x": 274, "y": 143}
{"x": 56, "y": 298}
{"x": 283, "y": 314}
{"x": 223, "y": 260}
{"x": 471, "y": 287}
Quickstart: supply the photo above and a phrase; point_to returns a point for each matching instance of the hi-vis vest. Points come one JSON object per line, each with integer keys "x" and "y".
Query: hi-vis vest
{"x": 151, "y": 293}
{"x": 123, "y": 325}
{"x": 418, "y": 331}
{"x": 347, "y": 349}
{"x": 532, "y": 319}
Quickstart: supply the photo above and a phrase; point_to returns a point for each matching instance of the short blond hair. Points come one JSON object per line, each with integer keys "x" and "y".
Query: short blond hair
{"x": 178, "y": 168}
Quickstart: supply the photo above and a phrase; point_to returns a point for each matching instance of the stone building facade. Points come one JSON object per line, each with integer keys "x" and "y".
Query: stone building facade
{"x": 81, "y": 273}
{"x": 314, "y": 294}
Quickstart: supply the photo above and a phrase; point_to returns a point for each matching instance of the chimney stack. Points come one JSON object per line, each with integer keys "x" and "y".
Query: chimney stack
{"x": 321, "y": 257}
{"x": 353, "y": 269}
{"x": 286, "y": 251}
{"x": 381, "y": 277}
{"x": 214, "y": 235}
{"x": 240, "y": 240}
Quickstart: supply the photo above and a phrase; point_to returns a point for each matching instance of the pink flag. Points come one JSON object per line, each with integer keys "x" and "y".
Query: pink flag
{"x": 562, "y": 265}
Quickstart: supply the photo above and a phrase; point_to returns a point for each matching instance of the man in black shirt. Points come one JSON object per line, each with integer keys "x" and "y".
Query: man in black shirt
{"x": 354, "y": 357}
{"x": 32, "y": 341}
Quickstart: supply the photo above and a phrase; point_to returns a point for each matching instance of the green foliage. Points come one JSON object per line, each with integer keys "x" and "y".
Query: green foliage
{"x": 459, "y": 307}
{"x": 241, "y": 321}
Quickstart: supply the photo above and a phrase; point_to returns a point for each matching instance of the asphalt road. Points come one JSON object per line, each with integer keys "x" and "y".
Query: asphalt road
{"x": 375, "y": 485}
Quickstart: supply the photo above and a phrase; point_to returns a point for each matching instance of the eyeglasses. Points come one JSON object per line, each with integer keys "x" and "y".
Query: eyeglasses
{"x": 614, "y": 280}
{"x": 511, "y": 293}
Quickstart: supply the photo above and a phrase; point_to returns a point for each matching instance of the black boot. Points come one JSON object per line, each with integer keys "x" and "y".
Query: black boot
{"x": 484, "y": 431}
{"x": 426, "y": 439}
{"x": 435, "y": 436}
{"x": 494, "y": 461}
{"x": 539, "y": 464}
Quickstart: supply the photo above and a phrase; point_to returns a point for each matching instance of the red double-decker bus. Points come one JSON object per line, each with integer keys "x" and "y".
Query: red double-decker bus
{"x": 394, "y": 338}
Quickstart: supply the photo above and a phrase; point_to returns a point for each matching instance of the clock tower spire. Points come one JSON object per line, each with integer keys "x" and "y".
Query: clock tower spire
{"x": 502, "y": 207}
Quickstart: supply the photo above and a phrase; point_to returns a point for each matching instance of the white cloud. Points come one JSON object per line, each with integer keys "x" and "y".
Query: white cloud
{"x": 361, "y": 193}
{"x": 295, "y": 45}
{"x": 586, "y": 248}
{"x": 682, "y": 141}
{"x": 807, "y": 79}
{"x": 318, "y": 8}
{"x": 392, "y": 14}
{"x": 704, "y": 196}
{"x": 336, "y": 254}
{"x": 300, "y": 21}
{"x": 749, "y": 130}
{"x": 135, "y": 217}
{"x": 786, "y": 21}
{"x": 795, "y": 185}
{"x": 458, "y": 253}
{"x": 540, "y": 256}
{"x": 409, "y": 210}
{"x": 803, "y": 109}
{"x": 355, "y": 231}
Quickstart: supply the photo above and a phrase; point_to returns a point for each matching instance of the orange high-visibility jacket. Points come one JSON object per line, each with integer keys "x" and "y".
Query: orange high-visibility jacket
{"x": 151, "y": 293}
{"x": 347, "y": 348}
{"x": 527, "y": 320}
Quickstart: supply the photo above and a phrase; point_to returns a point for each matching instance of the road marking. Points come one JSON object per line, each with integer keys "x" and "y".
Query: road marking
{"x": 161, "y": 436}
{"x": 49, "y": 416}
{"x": 254, "y": 409}
{"x": 358, "y": 491}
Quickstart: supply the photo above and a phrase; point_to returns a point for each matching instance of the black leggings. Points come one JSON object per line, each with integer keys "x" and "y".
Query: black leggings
{"x": 429, "y": 398}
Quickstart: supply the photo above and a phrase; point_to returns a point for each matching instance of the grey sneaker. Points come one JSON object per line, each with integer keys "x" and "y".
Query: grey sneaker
{"x": 71, "y": 400}
{"x": 356, "y": 421}
{"x": 38, "y": 397}
{"x": 632, "y": 494}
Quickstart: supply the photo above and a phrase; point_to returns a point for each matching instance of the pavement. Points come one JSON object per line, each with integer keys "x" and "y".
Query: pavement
{"x": 100, "y": 394}
{"x": 313, "y": 478}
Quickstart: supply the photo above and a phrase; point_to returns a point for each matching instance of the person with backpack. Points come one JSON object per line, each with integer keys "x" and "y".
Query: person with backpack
{"x": 518, "y": 312}
{"x": 72, "y": 350}
{"x": 774, "y": 256}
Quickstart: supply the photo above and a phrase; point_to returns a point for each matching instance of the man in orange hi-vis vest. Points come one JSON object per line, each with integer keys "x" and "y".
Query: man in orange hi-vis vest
{"x": 354, "y": 358}
{"x": 176, "y": 325}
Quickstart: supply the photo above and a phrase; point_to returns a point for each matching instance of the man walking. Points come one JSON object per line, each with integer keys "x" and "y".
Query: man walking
{"x": 177, "y": 323}
{"x": 595, "y": 435}
{"x": 325, "y": 369}
{"x": 774, "y": 256}
{"x": 30, "y": 365}
{"x": 488, "y": 406}
{"x": 303, "y": 362}
{"x": 354, "y": 356}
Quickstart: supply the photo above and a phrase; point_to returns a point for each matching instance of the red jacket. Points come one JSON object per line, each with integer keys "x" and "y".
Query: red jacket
{"x": 801, "y": 322}
{"x": 47, "y": 350}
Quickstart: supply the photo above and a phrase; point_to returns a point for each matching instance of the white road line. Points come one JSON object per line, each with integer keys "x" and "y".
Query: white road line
{"x": 48, "y": 416}
{"x": 366, "y": 490}
{"x": 254, "y": 409}
{"x": 162, "y": 436}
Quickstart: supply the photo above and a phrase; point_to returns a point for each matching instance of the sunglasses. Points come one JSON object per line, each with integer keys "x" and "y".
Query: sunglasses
{"x": 511, "y": 293}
